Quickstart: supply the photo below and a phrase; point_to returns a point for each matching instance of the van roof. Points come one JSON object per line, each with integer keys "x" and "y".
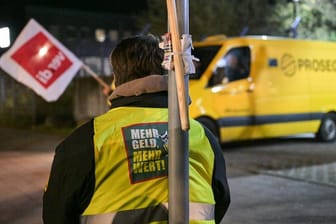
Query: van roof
{"x": 221, "y": 37}
{"x": 218, "y": 39}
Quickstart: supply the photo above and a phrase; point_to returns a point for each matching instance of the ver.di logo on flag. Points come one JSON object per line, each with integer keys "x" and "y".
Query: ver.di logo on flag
{"x": 39, "y": 61}
{"x": 48, "y": 61}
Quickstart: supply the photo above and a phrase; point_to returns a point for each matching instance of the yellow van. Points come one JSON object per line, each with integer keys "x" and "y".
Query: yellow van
{"x": 260, "y": 87}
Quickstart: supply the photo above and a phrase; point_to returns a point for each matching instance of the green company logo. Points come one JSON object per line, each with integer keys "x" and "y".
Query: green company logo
{"x": 288, "y": 65}
{"x": 147, "y": 151}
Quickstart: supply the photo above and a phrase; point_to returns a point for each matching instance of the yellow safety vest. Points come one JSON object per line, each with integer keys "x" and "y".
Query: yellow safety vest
{"x": 131, "y": 167}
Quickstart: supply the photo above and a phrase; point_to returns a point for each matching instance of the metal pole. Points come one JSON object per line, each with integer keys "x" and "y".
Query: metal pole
{"x": 182, "y": 7}
{"x": 178, "y": 160}
{"x": 297, "y": 18}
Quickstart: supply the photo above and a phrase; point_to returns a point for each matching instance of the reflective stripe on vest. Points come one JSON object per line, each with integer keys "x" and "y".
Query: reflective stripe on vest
{"x": 197, "y": 212}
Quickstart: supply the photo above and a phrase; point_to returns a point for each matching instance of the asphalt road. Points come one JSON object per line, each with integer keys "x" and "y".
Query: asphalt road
{"x": 253, "y": 157}
{"x": 271, "y": 181}
{"x": 278, "y": 181}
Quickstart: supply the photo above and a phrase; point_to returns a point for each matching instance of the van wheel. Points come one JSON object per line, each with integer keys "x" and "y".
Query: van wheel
{"x": 211, "y": 125}
{"x": 327, "y": 130}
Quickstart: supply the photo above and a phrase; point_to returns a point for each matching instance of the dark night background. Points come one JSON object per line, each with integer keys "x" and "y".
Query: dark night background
{"x": 16, "y": 13}
{"x": 15, "y": 10}
{"x": 15, "y": 7}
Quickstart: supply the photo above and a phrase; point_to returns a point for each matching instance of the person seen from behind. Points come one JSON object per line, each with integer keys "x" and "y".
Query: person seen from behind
{"x": 114, "y": 168}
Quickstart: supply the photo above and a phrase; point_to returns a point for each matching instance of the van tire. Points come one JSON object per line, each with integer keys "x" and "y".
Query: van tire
{"x": 211, "y": 125}
{"x": 327, "y": 130}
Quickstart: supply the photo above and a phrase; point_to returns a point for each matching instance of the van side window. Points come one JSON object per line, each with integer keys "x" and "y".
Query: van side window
{"x": 235, "y": 65}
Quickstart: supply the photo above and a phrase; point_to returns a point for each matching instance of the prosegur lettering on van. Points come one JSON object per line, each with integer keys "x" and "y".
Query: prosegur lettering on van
{"x": 260, "y": 87}
{"x": 289, "y": 64}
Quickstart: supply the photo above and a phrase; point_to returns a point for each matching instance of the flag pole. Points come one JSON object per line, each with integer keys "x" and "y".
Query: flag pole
{"x": 178, "y": 141}
{"x": 95, "y": 76}
{"x": 178, "y": 64}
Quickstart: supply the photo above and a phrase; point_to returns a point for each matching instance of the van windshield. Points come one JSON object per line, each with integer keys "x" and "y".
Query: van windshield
{"x": 205, "y": 55}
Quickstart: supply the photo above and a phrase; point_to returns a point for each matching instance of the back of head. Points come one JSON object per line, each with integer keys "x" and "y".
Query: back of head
{"x": 136, "y": 57}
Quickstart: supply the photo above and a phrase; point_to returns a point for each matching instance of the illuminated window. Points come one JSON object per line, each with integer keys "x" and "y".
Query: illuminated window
{"x": 100, "y": 35}
{"x": 4, "y": 37}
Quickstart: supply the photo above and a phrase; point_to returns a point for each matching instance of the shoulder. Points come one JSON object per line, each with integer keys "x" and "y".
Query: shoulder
{"x": 203, "y": 132}
{"x": 78, "y": 141}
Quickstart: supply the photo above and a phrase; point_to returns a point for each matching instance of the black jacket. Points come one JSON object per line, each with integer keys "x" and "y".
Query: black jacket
{"x": 72, "y": 177}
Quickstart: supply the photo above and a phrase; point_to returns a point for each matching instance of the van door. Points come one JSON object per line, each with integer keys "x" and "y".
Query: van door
{"x": 231, "y": 89}
{"x": 282, "y": 94}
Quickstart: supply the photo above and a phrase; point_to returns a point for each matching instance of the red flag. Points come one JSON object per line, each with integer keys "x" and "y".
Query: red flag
{"x": 41, "y": 62}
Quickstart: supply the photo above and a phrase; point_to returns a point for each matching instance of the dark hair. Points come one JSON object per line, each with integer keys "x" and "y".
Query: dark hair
{"x": 136, "y": 57}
